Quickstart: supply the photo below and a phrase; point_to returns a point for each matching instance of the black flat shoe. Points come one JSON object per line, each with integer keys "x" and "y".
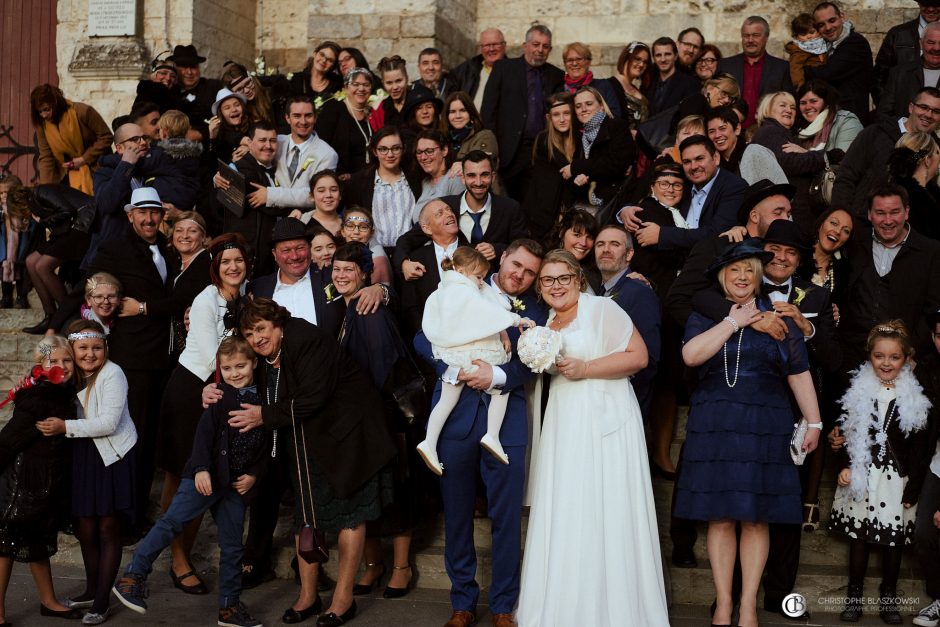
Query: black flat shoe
{"x": 198, "y": 588}
{"x": 360, "y": 589}
{"x": 66, "y": 614}
{"x": 39, "y": 328}
{"x": 292, "y": 616}
{"x": 332, "y": 620}
{"x": 397, "y": 593}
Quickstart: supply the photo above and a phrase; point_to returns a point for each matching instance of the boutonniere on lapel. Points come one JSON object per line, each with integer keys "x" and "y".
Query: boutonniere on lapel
{"x": 306, "y": 164}
{"x": 612, "y": 296}
{"x": 516, "y": 304}
{"x": 331, "y": 293}
{"x": 800, "y": 295}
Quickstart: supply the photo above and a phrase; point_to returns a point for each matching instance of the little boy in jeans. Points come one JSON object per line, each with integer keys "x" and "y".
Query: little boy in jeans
{"x": 927, "y": 525}
{"x": 224, "y": 466}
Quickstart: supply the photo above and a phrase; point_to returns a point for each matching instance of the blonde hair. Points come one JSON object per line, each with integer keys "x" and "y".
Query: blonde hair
{"x": 754, "y": 263}
{"x": 891, "y": 330}
{"x": 765, "y": 106}
{"x": 102, "y": 278}
{"x": 689, "y": 122}
{"x": 917, "y": 141}
{"x": 49, "y": 344}
{"x": 562, "y": 256}
{"x": 578, "y": 47}
{"x": 597, "y": 97}
{"x": 725, "y": 83}
{"x": 466, "y": 259}
{"x": 174, "y": 123}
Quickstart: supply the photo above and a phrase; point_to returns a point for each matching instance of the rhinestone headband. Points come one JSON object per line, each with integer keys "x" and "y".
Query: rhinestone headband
{"x": 86, "y": 335}
{"x": 190, "y": 220}
{"x": 362, "y": 219}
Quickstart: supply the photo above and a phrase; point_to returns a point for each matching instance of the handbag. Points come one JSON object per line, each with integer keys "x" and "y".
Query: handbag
{"x": 311, "y": 544}
{"x": 820, "y": 189}
{"x": 409, "y": 392}
{"x": 796, "y": 442}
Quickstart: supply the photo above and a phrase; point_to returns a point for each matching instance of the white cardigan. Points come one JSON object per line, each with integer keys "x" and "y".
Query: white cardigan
{"x": 206, "y": 330}
{"x": 105, "y": 415}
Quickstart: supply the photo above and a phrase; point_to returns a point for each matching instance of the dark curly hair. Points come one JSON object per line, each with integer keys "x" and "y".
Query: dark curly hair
{"x": 256, "y": 309}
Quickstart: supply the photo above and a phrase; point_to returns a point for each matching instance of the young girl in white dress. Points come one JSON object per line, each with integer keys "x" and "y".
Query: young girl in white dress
{"x": 466, "y": 320}
{"x": 884, "y": 421}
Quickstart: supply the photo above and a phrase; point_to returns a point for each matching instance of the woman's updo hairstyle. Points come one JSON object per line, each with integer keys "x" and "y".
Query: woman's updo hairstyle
{"x": 908, "y": 152}
{"x": 357, "y": 253}
{"x": 467, "y": 259}
{"x": 219, "y": 245}
{"x": 257, "y": 308}
{"x": 892, "y": 330}
{"x": 562, "y": 256}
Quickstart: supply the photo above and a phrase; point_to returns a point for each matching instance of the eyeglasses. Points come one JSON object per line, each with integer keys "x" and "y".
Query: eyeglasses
{"x": 707, "y": 61}
{"x": 575, "y": 60}
{"x": 384, "y": 150}
{"x": 427, "y": 152}
{"x": 356, "y": 85}
{"x": 925, "y": 108}
{"x": 562, "y": 279}
{"x": 664, "y": 185}
{"x": 357, "y": 228}
{"x": 99, "y": 298}
{"x": 690, "y": 45}
{"x": 137, "y": 139}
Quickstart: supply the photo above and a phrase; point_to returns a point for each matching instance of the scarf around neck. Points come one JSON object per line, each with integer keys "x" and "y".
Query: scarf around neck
{"x": 66, "y": 143}
{"x": 861, "y": 423}
{"x": 573, "y": 85}
{"x": 590, "y": 130}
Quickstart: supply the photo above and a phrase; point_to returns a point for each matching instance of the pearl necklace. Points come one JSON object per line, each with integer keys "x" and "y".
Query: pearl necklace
{"x": 267, "y": 392}
{"x": 271, "y": 362}
{"x": 737, "y": 363}
{"x": 889, "y": 383}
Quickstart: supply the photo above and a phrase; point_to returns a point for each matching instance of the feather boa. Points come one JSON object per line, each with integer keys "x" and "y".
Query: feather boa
{"x": 860, "y": 418}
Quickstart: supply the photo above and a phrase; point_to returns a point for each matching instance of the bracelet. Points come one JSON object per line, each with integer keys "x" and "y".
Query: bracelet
{"x": 385, "y": 294}
{"x": 141, "y": 310}
{"x": 732, "y": 322}
{"x": 814, "y": 425}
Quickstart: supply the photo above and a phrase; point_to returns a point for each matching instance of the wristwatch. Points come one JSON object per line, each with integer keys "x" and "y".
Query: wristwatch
{"x": 142, "y": 309}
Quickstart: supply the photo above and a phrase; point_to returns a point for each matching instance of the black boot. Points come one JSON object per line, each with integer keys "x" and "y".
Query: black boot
{"x": 6, "y": 300}
{"x": 853, "y": 604}
{"x": 40, "y": 327}
{"x": 888, "y": 605}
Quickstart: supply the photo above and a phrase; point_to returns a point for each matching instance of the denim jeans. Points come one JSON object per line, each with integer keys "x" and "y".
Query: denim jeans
{"x": 228, "y": 510}
{"x": 926, "y": 535}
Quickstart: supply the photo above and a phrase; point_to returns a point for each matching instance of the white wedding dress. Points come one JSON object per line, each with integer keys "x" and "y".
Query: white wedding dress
{"x": 592, "y": 548}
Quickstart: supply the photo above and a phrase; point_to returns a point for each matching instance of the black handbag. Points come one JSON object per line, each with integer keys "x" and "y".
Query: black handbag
{"x": 409, "y": 392}
{"x": 311, "y": 544}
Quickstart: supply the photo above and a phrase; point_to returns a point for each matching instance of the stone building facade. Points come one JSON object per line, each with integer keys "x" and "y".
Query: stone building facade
{"x": 104, "y": 70}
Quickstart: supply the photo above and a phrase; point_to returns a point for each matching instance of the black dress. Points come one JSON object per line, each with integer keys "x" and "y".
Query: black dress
{"x": 348, "y": 136}
{"x": 376, "y": 344}
{"x": 34, "y": 474}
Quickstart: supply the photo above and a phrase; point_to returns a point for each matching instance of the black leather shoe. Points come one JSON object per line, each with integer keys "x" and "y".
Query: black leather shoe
{"x": 330, "y": 619}
{"x": 292, "y": 616}
{"x": 39, "y": 328}
{"x": 70, "y": 614}
{"x": 360, "y": 589}
{"x": 397, "y": 593}
{"x": 684, "y": 558}
{"x": 196, "y": 588}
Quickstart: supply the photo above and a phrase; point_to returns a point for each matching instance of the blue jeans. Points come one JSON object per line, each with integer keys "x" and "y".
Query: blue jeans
{"x": 228, "y": 510}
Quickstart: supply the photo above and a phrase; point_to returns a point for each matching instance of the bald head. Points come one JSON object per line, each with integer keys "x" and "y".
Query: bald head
{"x": 126, "y": 131}
{"x": 131, "y": 136}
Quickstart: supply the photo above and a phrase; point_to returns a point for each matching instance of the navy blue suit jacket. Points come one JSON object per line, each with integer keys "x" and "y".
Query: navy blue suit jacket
{"x": 639, "y": 301}
{"x": 329, "y": 315}
{"x": 719, "y": 214}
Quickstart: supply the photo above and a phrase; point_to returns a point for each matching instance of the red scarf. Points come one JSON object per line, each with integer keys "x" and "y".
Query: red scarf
{"x": 573, "y": 85}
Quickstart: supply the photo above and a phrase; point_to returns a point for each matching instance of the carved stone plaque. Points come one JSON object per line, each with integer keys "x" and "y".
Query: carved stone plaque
{"x": 112, "y": 18}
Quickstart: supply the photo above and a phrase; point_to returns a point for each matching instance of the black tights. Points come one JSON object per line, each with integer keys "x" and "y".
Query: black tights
{"x": 100, "y": 538}
{"x": 858, "y": 564}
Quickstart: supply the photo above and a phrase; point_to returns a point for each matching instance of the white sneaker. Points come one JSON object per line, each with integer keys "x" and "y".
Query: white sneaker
{"x": 492, "y": 445}
{"x": 929, "y": 616}
{"x": 429, "y": 455}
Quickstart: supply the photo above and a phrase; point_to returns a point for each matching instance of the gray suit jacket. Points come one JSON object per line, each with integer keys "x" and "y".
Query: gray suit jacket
{"x": 296, "y": 192}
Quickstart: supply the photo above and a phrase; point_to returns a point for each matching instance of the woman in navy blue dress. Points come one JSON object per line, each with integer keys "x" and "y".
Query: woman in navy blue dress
{"x": 736, "y": 464}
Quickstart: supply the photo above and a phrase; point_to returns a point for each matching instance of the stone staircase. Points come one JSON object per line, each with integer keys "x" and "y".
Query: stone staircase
{"x": 823, "y": 567}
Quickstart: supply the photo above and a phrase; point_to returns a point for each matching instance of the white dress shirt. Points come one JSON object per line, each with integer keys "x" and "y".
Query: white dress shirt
{"x": 296, "y": 297}
{"x": 444, "y": 252}
{"x": 466, "y": 222}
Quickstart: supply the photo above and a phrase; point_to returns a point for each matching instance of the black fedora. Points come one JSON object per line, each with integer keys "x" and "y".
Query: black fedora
{"x": 787, "y": 233}
{"x": 186, "y": 56}
{"x": 750, "y": 247}
{"x": 288, "y": 229}
{"x": 759, "y": 191}
{"x": 418, "y": 95}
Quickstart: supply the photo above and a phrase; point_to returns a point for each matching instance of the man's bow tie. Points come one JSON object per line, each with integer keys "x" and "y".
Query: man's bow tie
{"x": 770, "y": 288}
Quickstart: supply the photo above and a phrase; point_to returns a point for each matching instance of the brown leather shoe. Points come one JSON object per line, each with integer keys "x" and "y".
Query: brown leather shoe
{"x": 503, "y": 620}
{"x": 461, "y": 618}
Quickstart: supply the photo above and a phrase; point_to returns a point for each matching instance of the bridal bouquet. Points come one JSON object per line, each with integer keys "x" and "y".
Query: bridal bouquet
{"x": 539, "y": 347}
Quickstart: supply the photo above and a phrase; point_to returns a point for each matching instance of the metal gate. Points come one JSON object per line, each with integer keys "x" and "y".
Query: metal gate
{"x": 27, "y": 59}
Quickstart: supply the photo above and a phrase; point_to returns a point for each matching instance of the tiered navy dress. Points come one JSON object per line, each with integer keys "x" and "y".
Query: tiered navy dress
{"x": 736, "y": 462}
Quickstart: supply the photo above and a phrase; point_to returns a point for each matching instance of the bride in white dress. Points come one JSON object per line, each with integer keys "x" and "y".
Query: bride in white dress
{"x": 592, "y": 548}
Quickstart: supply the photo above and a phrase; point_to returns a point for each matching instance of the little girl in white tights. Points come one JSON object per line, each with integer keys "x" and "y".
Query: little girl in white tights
{"x": 466, "y": 320}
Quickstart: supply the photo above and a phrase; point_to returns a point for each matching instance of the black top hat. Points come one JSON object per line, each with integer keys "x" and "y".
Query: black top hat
{"x": 288, "y": 229}
{"x": 785, "y": 232}
{"x": 761, "y": 190}
{"x": 750, "y": 247}
{"x": 186, "y": 56}
{"x": 417, "y": 95}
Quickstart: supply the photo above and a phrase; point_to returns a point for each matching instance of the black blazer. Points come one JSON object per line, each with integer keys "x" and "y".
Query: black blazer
{"x": 613, "y": 153}
{"x": 849, "y": 70}
{"x": 139, "y": 342}
{"x": 414, "y": 294}
{"x": 678, "y": 87}
{"x": 467, "y": 75}
{"x": 334, "y": 402}
{"x": 901, "y": 45}
{"x": 329, "y": 315}
{"x": 719, "y": 213}
{"x": 549, "y": 194}
{"x": 902, "y": 83}
{"x": 337, "y": 127}
{"x": 774, "y": 77}
{"x": 255, "y": 224}
{"x": 505, "y": 102}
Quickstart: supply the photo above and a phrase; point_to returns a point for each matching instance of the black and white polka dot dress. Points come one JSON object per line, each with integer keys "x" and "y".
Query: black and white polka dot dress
{"x": 880, "y": 518}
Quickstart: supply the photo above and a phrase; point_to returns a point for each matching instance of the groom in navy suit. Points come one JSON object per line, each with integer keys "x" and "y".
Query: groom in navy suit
{"x": 460, "y": 452}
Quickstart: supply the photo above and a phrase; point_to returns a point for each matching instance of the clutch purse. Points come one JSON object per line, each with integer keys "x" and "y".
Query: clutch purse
{"x": 311, "y": 545}
{"x": 796, "y": 442}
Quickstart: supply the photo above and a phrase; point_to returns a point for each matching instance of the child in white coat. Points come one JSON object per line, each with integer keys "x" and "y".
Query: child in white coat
{"x": 466, "y": 320}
